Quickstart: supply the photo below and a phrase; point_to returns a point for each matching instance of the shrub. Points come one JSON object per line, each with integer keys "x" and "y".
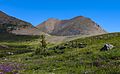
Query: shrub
{"x": 41, "y": 51}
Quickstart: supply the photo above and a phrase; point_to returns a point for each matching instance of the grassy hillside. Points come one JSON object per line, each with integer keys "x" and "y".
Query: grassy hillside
{"x": 71, "y": 60}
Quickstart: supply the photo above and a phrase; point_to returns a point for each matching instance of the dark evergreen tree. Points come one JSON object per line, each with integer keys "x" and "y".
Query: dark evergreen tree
{"x": 43, "y": 41}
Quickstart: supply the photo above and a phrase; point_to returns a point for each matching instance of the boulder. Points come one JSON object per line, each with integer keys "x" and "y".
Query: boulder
{"x": 4, "y": 47}
{"x": 82, "y": 45}
{"x": 62, "y": 47}
{"x": 107, "y": 47}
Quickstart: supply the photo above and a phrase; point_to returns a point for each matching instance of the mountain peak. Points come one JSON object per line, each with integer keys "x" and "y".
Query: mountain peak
{"x": 79, "y": 25}
{"x": 52, "y": 19}
{"x": 48, "y": 25}
{"x": 78, "y": 17}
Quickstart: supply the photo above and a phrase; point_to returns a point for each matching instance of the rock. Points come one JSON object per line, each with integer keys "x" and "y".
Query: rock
{"x": 4, "y": 47}
{"x": 66, "y": 44}
{"x": 82, "y": 45}
{"x": 10, "y": 53}
{"x": 62, "y": 47}
{"x": 106, "y": 47}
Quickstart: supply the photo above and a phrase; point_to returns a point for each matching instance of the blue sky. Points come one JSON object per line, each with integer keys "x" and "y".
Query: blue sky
{"x": 104, "y": 12}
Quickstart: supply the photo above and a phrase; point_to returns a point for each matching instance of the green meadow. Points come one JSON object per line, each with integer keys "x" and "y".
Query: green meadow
{"x": 70, "y": 60}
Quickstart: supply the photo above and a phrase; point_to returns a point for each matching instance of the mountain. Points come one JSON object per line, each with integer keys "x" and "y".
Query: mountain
{"x": 79, "y": 25}
{"x": 49, "y": 25}
{"x": 14, "y": 25}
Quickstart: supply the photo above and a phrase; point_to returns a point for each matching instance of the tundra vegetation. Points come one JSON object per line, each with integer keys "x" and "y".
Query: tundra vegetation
{"x": 79, "y": 56}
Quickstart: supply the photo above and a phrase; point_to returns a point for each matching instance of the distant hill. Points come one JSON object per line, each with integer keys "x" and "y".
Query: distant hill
{"x": 79, "y": 25}
{"x": 14, "y": 25}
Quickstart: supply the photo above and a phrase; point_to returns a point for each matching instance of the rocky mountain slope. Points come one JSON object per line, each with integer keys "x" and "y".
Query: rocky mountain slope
{"x": 13, "y": 25}
{"x": 49, "y": 25}
{"x": 76, "y": 26}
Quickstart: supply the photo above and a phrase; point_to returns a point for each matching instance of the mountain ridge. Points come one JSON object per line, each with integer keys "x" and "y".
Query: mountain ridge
{"x": 17, "y": 26}
{"x": 74, "y": 26}
{"x": 78, "y": 25}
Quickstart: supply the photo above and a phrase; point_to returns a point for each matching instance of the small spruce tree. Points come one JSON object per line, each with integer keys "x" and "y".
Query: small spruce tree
{"x": 42, "y": 49}
{"x": 43, "y": 41}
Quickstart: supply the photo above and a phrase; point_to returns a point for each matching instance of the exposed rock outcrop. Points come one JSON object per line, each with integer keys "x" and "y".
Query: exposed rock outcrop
{"x": 106, "y": 47}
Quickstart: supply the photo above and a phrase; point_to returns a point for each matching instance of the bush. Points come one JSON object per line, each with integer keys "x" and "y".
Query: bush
{"x": 2, "y": 55}
{"x": 41, "y": 51}
{"x": 22, "y": 51}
